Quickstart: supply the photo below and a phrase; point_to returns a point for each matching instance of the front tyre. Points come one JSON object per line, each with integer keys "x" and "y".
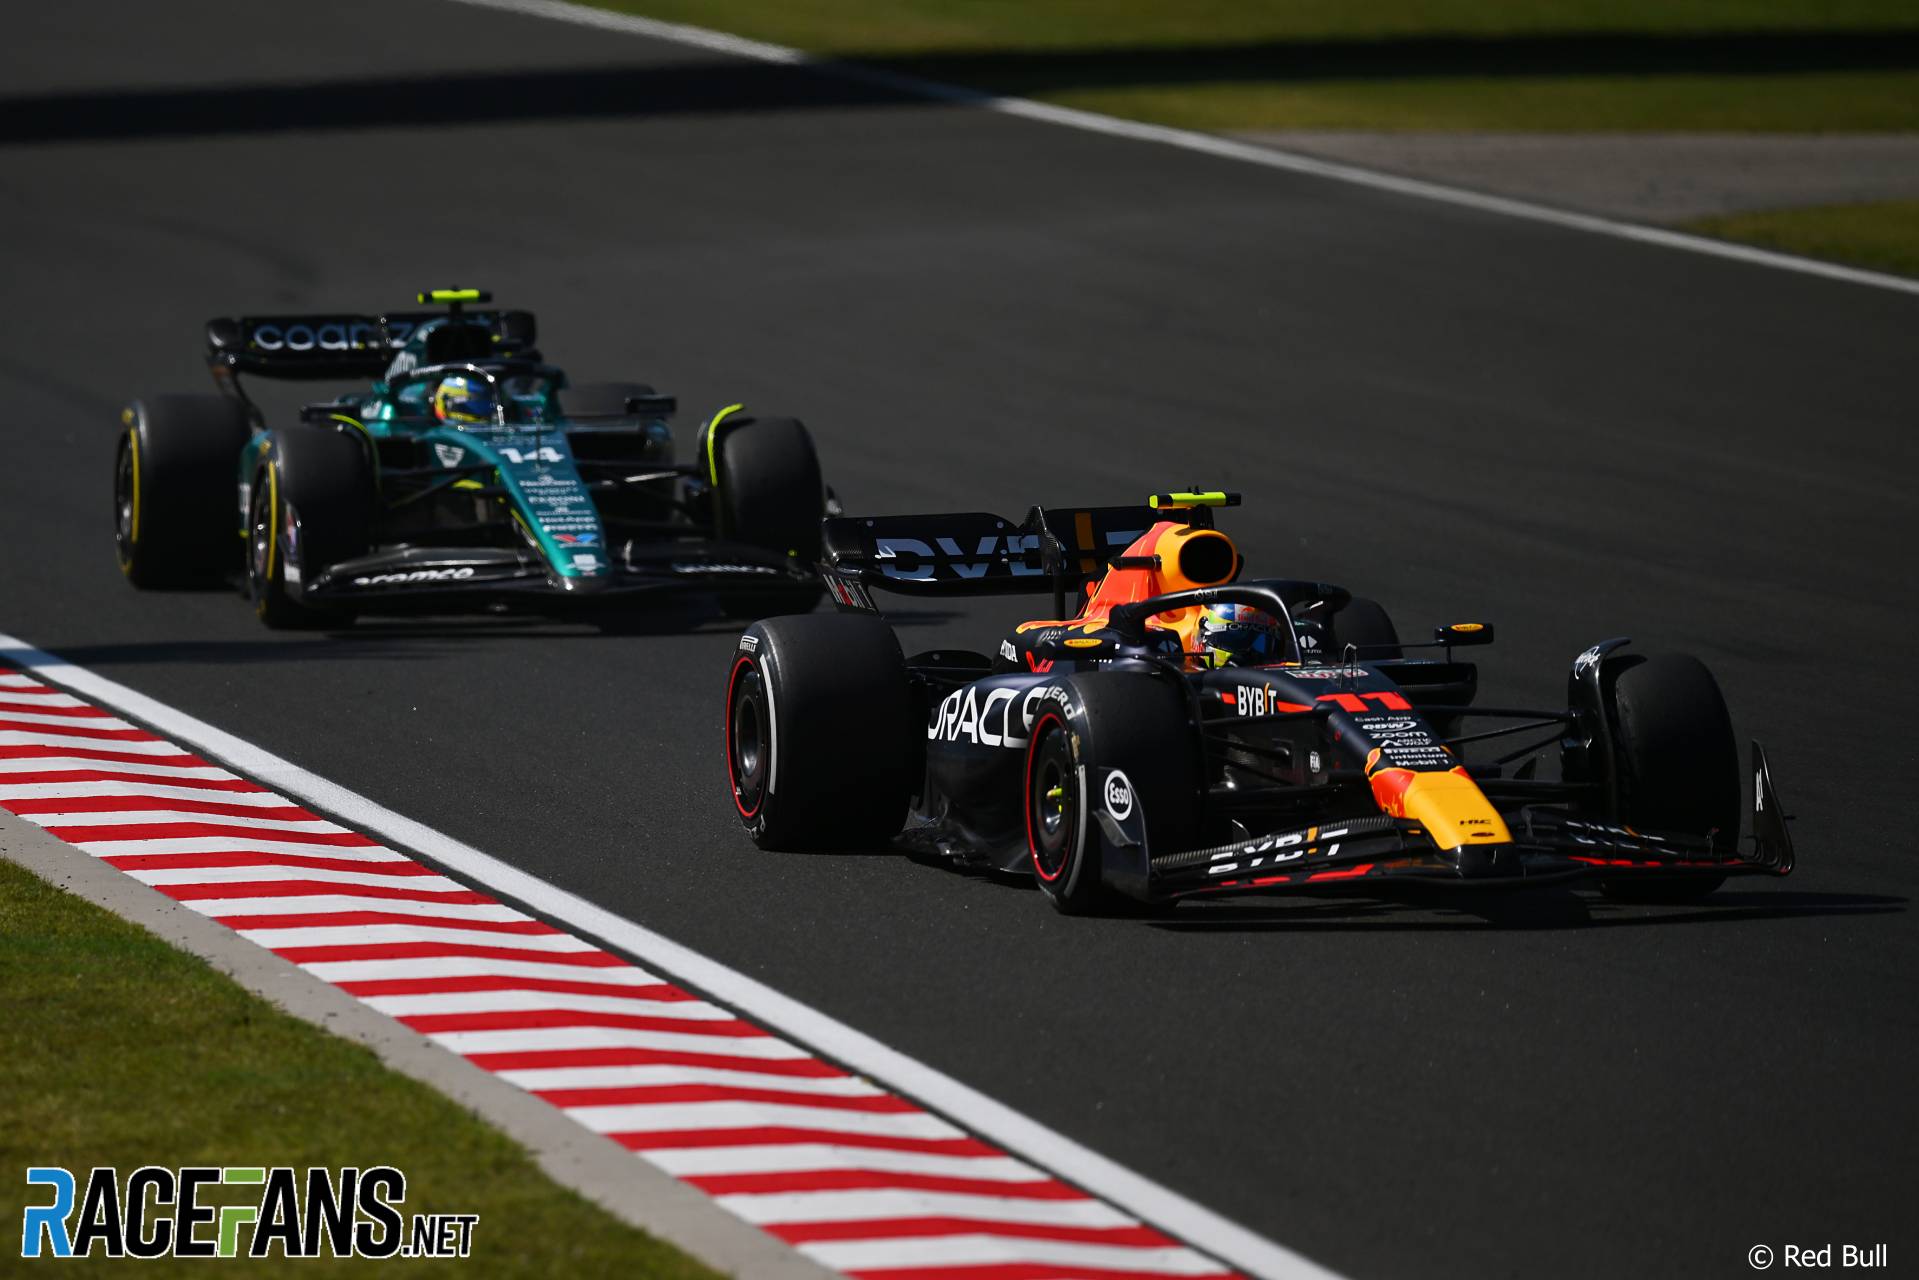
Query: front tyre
{"x": 1677, "y": 765}
{"x": 310, "y": 507}
{"x": 1137, "y": 724}
{"x": 1065, "y": 861}
{"x": 771, "y": 496}
{"x": 821, "y": 736}
{"x": 769, "y": 490}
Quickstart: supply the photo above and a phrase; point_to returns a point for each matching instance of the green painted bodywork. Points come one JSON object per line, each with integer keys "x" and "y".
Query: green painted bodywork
{"x": 529, "y": 454}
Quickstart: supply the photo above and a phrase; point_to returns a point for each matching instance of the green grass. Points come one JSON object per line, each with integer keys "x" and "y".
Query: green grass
{"x": 1851, "y": 102}
{"x": 1800, "y": 65}
{"x": 1884, "y": 236}
{"x": 117, "y": 1049}
{"x": 919, "y": 25}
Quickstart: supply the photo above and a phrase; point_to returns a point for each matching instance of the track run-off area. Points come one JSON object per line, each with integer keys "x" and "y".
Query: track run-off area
{"x": 1460, "y": 413}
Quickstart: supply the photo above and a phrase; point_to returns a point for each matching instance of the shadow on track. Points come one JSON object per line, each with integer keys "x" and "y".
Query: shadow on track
{"x": 410, "y": 639}
{"x": 381, "y": 640}
{"x": 1417, "y": 910}
{"x": 726, "y": 86}
{"x": 1540, "y": 909}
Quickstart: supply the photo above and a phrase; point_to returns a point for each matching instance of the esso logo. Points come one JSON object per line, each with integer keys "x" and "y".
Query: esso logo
{"x": 1119, "y": 796}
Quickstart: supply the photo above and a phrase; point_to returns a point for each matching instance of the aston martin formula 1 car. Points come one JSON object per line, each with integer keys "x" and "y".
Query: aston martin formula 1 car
{"x": 470, "y": 475}
{"x": 1132, "y": 749}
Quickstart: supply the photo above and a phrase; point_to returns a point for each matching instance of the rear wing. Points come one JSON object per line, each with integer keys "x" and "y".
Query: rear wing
{"x": 334, "y": 347}
{"x": 1056, "y": 549}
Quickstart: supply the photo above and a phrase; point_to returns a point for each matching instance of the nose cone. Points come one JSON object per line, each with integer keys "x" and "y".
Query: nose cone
{"x": 1448, "y": 803}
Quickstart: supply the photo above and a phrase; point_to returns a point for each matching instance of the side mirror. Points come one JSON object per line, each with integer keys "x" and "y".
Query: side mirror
{"x": 1464, "y": 633}
{"x": 655, "y": 405}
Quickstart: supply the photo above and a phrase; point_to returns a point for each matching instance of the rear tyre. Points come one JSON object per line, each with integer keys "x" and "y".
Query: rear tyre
{"x": 311, "y": 507}
{"x": 174, "y": 482}
{"x": 1137, "y": 725}
{"x": 822, "y": 743}
{"x": 1678, "y": 765}
{"x": 1366, "y": 624}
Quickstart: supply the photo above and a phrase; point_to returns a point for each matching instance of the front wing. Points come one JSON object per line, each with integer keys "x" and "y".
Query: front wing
{"x": 444, "y": 579}
{"x": 1547, "y": 848}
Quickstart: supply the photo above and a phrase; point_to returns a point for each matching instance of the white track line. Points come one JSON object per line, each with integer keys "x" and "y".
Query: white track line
{"x": 991, "y": 1119}
{"x": 1189, "y": 140}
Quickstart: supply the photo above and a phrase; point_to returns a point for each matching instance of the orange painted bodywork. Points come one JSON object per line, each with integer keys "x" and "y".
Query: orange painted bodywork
{"x": 1129, "y": 586}
{"x": 1448, "y": 803}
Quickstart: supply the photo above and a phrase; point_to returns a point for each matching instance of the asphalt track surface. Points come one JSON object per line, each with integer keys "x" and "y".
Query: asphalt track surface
{"x": 1463, "y": 415}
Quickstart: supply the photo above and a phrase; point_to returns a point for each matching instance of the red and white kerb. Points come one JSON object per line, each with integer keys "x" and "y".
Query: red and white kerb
{"x": 857, "y": 1178}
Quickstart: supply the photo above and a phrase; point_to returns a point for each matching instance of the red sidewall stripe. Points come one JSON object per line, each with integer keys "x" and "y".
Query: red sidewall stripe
{"x": 745, "y": 660}
{"x": 1032, "y": 840}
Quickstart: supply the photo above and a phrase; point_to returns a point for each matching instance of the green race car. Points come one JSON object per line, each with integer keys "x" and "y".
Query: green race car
{"x": 470, "y": 476}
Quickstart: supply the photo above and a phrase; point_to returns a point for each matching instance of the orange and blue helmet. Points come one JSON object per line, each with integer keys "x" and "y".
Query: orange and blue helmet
{"x": 463, "y": 399}
{"x": 1240, "y": 635}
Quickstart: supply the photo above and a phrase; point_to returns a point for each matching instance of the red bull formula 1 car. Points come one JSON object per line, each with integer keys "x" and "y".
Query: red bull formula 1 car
{"x": 470, "y": 475}
{"x": 1156, "y": 743}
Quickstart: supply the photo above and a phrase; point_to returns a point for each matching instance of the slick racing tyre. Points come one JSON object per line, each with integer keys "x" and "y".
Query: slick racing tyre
{"x": 770, "y": 495}
{"x": 823, "y": 745}
{"x": 1139, "y": 725}
{"x": 173, "y": 489}
{"x": 769, "y": 492}
{"x": 1677, "y": 763}
{"x": 310, "y": 506}
{"x": 1365, "y": 624}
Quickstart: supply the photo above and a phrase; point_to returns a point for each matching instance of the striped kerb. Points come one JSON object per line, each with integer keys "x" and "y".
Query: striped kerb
{"x": 855, "y": 1177}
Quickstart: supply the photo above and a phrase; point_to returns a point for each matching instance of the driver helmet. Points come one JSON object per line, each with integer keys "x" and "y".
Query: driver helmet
{"x": 463, "y": 399}
{"x": 1240, "y": 635}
